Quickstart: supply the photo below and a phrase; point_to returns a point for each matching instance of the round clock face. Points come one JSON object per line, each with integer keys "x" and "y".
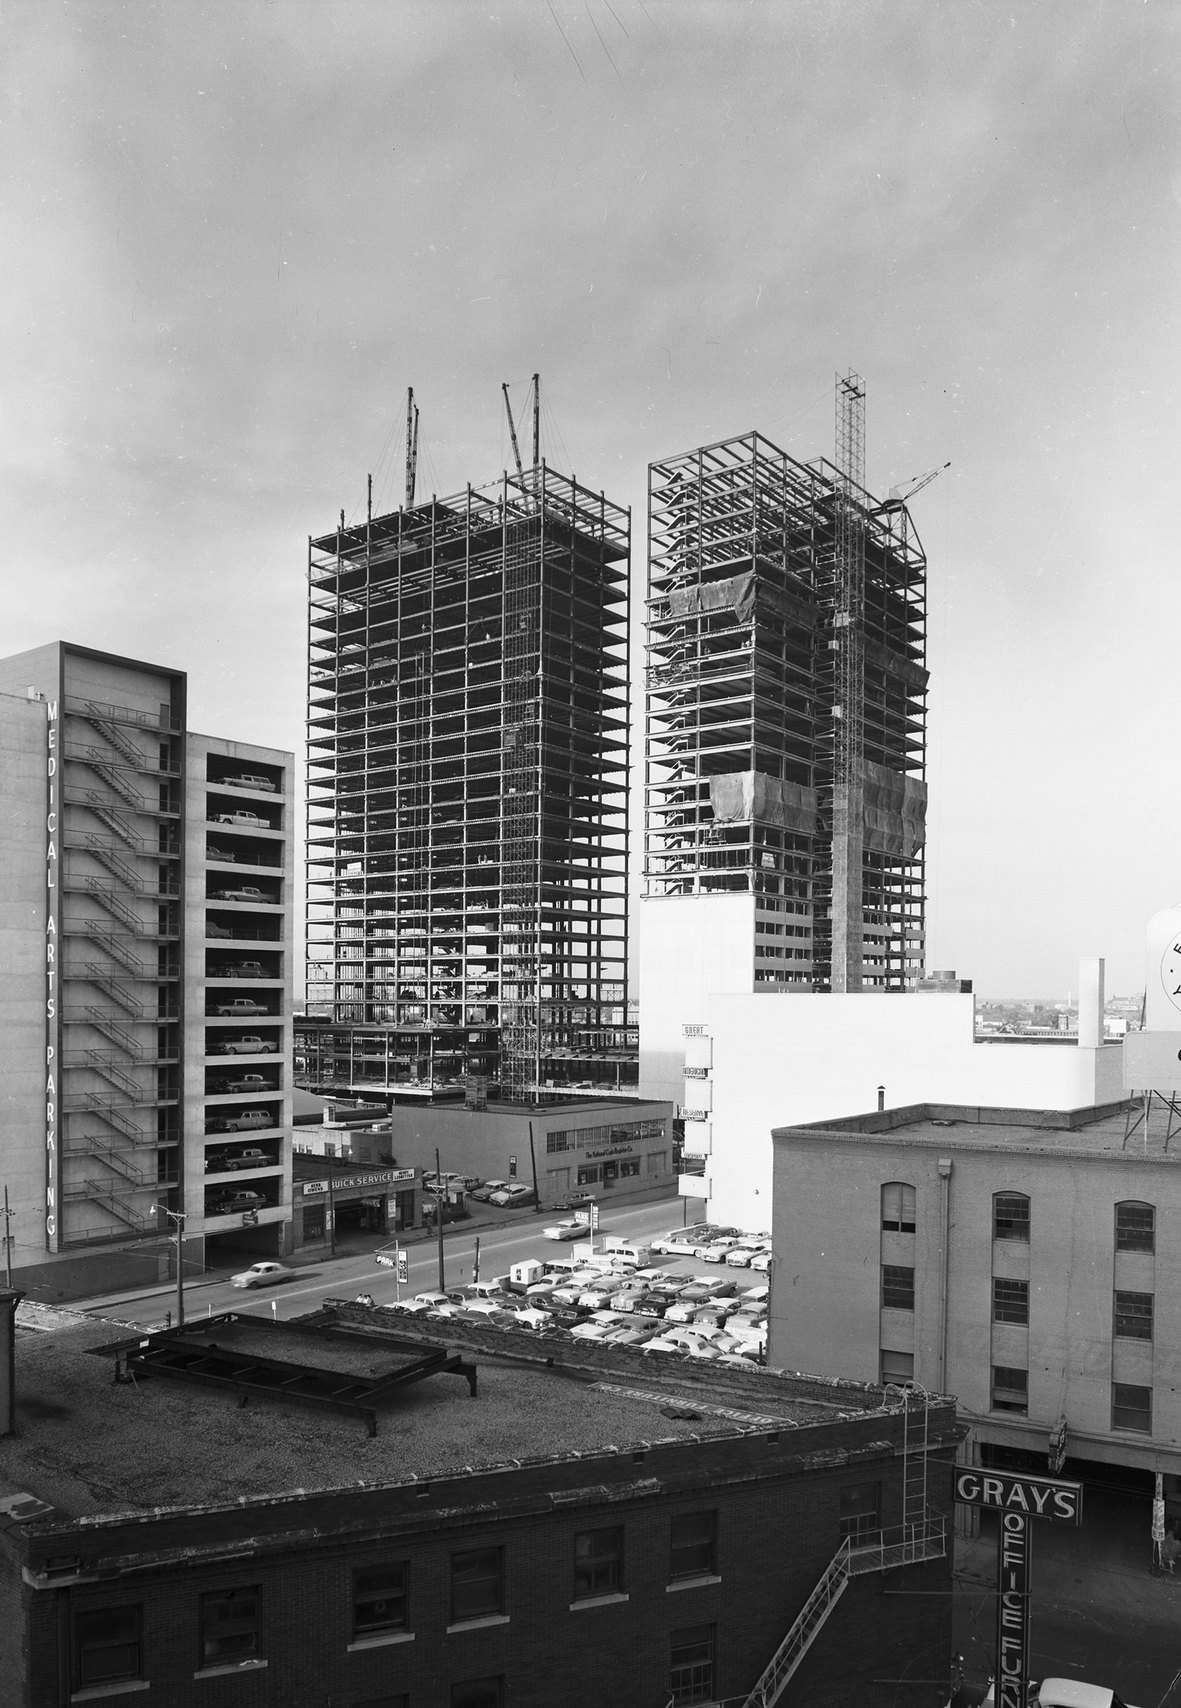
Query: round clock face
{"x": 1170, "y": 971}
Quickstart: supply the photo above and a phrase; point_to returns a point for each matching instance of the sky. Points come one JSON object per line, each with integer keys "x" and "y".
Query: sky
{"x": 236, "y": 233}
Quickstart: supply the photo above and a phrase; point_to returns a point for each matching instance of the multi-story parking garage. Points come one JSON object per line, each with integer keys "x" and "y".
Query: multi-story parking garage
{"x": 147, "y": 929}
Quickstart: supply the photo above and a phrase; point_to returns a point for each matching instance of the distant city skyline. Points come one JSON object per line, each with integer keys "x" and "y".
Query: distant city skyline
{"x": 243, "y": 235}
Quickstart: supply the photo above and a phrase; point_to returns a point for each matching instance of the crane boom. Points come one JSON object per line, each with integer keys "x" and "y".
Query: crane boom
{"x": 411, "y": 446}
{"x": 512, "y": 430}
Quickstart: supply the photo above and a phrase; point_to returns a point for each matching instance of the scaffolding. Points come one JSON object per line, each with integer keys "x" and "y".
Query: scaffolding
{"x": 467, "y": 799}
{"x": 786, "y": 706}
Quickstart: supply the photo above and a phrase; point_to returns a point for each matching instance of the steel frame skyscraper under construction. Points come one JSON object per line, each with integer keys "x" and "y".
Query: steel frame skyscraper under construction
{"x": 467, "y": 799}
{"x": 786, "y": 716}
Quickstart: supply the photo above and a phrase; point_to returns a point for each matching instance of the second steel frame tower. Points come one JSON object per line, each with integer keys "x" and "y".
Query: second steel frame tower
{"x": 467, "y": 803}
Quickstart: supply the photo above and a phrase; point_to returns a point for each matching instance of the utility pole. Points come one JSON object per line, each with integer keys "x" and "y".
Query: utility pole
{"x": 439, "y": 1220}
{"x": 177, "y": 1217}
{"x": 8, "y": 1215}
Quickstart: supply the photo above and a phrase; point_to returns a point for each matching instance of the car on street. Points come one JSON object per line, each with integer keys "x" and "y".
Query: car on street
{"x": 262, "y": 1275}
{"x": 569, "y": 1229}
{"x": 575, "y": 1201}
{"x": 513, "y": 1197}
{"x": 1066, "y": 1693}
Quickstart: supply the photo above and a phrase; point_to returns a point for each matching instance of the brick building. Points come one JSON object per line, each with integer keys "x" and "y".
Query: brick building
{"x": 588, "y": 1526}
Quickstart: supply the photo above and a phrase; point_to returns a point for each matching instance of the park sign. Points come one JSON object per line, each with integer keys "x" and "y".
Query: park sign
{"x": 1037, "y": 1497}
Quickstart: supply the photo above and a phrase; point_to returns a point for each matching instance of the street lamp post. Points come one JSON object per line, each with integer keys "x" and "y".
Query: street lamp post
{"x": 177, "y": 1217}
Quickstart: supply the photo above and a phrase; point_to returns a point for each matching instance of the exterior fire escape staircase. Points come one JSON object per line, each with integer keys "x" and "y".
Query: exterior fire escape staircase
{"x": 918, "y": 1537}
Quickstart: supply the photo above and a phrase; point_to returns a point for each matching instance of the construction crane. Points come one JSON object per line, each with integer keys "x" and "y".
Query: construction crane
{"x": 848, "y": 621}
{"x": 512, "y": 428}
{"x": 411, "y": 446}
{"x": 900, "y": 495}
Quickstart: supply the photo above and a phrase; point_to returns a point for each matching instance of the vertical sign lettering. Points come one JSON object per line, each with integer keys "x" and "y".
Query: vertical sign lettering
{"x": 52, "y": 981}
{"x": 1012, "y": 1610}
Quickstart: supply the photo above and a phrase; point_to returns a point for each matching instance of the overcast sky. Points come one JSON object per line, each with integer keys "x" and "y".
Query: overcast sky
{"x": 236, "y": 232}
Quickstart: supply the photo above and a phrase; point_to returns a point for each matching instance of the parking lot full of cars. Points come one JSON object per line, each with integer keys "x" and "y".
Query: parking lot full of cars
{"x": 617, "y": 1292}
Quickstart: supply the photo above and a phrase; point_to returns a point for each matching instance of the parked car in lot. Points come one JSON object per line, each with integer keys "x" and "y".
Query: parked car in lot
{"x": 484, "y": 1191}
{"x": 241, "y": 892}
{"x": 762, "y": 1262}
{"x": 513, "y": 1197}
{"x": 249, "y": 780}
{"x": 569, "y": 1229}
{"x": 248, "y": 1045}
{"x": 575, "y": 1201}
{"x": 741, "y": 1256}
{"x": 262, "y": 1275}
{"x": 239, "y": 1006}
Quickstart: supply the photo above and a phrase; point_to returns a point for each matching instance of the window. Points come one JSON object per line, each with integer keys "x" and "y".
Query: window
{"x": 1135, "y": 1227}
{"x": 555, "y": 1142}
{"x": 598, "y": 1563}
{"x": 629, "y": 1165}
{"x": 693, "y": 1545}
{"x": 477, "y": 1584}
{"x": 590, "y": 1174}
{"x": 691, "y": 1665}
{"x": 1133, "y": 1316}
{"x": 860, "y": 1510}
{"x": 897, "y": 1288}
{"x": 1010, "y": 1301}
{"x": 230, "y": 1626}
{"x": 1010, "y": 1388}
{"x": 1010, "y": 1216}
{"x": 1131, "y": 1408}
{"x": 896, "y": 1367}
{"x": 379, "y": 1600}
{"x": 108, "y": 1645}
{"x": 478, "y": 1693}
{"x": 897, "y": 1208}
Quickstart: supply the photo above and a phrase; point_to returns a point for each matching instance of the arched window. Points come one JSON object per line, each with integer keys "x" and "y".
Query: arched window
{"x": 897, "y": 1207}
{"x": 1010, "y": 1216}
{"x": 1135, "y": 1226}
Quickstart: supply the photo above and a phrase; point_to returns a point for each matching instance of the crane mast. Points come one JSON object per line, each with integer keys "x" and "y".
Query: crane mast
{"x": 848, "y": 640}
{"x": 411, "y": 446}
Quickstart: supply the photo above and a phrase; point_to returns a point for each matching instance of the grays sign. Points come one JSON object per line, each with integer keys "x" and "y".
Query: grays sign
{"x": 1036, "y": 1497}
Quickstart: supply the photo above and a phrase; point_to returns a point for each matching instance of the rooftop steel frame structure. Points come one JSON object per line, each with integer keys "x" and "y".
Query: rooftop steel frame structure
{"x": 786, "y": 604}
{"x": 467, "y": 787}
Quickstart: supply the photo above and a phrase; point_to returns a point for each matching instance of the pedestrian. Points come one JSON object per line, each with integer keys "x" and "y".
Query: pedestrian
{"x": 1170, "y": 1548}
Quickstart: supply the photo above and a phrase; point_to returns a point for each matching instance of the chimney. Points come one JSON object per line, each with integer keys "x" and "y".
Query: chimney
{"x": 1090, "y": 1004}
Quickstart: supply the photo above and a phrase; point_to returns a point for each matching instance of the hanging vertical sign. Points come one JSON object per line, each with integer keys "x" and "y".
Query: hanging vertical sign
{"x": 1012, "y": 1611}
{"x": 52, "y": 982}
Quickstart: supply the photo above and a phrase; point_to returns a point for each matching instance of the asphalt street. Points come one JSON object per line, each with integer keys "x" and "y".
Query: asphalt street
{"x": 356, "y": 1272}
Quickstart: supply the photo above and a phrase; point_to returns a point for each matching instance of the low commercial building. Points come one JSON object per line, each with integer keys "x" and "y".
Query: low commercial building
{"x": 1021, "y": 1259}
{"x": 331, "y": 1193}
{"x": 489, "y": 1521}
{"x": 556, "y": 1148}
{"x": 147, "y": 927}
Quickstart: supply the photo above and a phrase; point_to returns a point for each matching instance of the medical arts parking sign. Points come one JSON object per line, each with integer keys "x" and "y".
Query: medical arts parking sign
{"x": 1016, "y": 1499}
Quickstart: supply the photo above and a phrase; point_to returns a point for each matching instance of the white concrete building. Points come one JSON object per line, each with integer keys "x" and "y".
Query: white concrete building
{"x": 757, "y": 1062}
